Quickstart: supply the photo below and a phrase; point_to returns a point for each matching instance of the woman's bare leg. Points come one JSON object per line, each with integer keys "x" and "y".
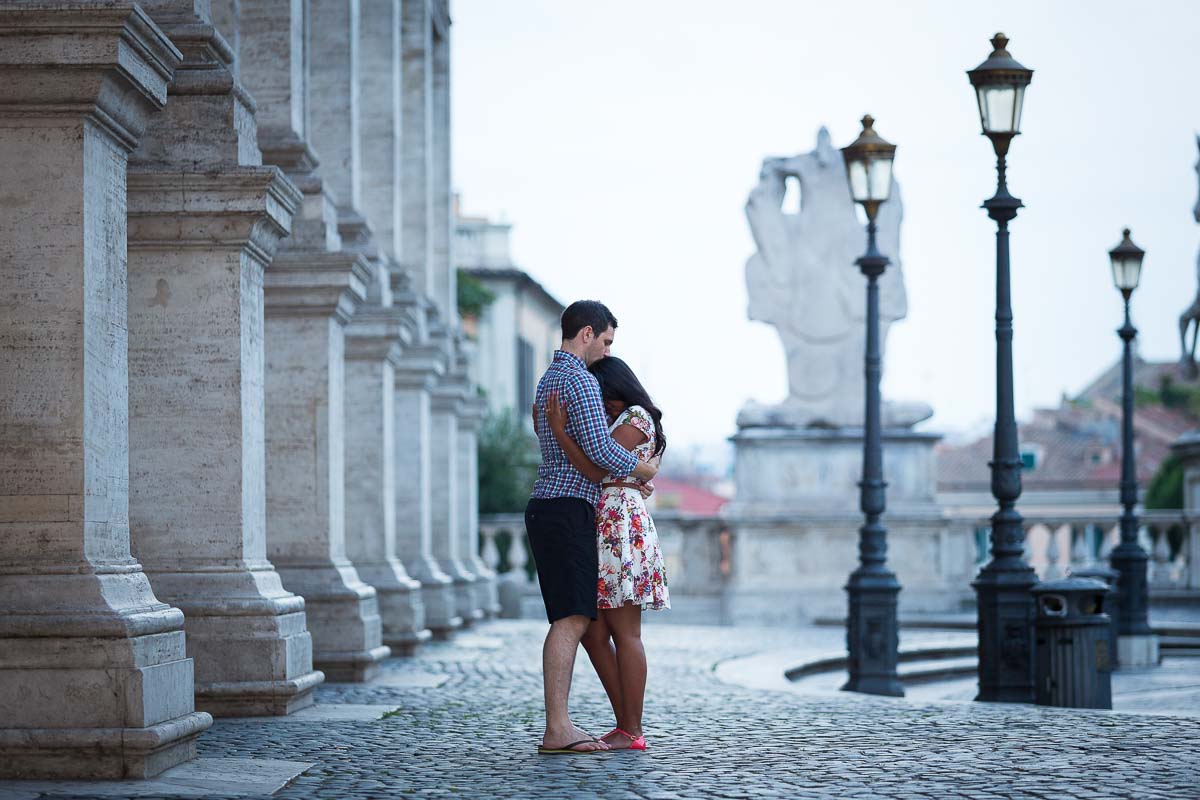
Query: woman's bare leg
{"x": 598, "y": 644}
{"x": 625, "y": 625}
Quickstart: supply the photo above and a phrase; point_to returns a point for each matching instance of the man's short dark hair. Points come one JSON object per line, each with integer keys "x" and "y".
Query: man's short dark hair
{"x": 583, "y": 313}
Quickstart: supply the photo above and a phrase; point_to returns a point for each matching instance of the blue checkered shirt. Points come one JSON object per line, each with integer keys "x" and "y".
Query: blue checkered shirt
{"x": 579, "y": 392}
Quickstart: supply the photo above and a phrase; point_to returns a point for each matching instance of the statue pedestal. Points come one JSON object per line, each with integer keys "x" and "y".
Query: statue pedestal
{"x": 795, "y": 521}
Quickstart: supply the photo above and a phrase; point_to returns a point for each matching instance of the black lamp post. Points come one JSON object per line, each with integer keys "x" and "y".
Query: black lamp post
{"x": 1002, "y": 586}
{"x": 1128, "y": 558}
{"x": 872, "y": 634}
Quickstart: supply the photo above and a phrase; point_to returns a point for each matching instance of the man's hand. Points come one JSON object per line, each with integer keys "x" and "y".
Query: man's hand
{"x": 646, "y": 489}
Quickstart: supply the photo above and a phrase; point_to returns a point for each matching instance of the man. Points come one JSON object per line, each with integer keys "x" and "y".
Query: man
{"x": 560, "y": 517}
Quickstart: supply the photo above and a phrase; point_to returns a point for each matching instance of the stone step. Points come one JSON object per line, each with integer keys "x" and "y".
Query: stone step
{"x": 937, "y": 669}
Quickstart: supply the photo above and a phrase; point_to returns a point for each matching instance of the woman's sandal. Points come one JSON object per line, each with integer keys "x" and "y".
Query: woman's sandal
{"x": 635, "y": 742}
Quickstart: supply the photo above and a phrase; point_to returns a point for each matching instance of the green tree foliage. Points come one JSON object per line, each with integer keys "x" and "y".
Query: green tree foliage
{"x": 473, "y": 296}
{"x": 1171, "y": 394}
{"x": 1166, "y": 487}
{"x": 508, "y": 462}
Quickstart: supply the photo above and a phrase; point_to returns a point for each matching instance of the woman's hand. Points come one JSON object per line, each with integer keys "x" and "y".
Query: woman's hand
{"x": 556, "y": 415}
{"x": 646, "y": 470}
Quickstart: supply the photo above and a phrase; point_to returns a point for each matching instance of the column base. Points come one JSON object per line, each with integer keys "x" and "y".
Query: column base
{"x": 248, "y": 637}
{"x": 343, "y": 617}
{"x": 87, "y": 690}
{"x": 437, "y": 593}
{"x": 100, "y": 753}
{"x": 1138, "y": 651}
{"x": 487, "y": 593}
{"x": 401, "y": 605}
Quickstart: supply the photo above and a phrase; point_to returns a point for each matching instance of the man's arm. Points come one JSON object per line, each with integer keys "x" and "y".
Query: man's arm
{"x": 587, "y": 412}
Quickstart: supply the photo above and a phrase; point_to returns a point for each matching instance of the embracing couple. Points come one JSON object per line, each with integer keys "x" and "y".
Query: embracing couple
{"x": 596, "y": 550}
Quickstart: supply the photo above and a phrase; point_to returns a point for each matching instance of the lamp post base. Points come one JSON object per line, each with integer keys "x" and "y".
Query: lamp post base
{"x": 1138, "y": 651}
{"x": 873, "y": 634}
{"x": 1005, "y": 635}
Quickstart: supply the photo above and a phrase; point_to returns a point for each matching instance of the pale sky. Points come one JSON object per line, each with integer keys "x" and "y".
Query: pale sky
{"x": 621, "y": 139}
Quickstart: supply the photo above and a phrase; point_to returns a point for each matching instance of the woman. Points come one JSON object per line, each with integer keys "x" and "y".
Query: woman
{"x": 632, "y": 576}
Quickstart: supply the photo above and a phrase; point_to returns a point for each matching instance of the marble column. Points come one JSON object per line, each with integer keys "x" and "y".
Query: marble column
{"x": 443, "y": 288}
{"x": 374, "y": 339}
{"x": 380, "y": 88}
{"x": 417, "y": 373}
{"x": 445, "y": 408}
{"x": 288, "y": 59}
{"x": 309, "y": 298}
{"x": 334, "y": 32}
{"x": 416, "y": 154}
{"x": 95, "y": 681}
{"x": 205, "y": 218}
{"x": 470, "y": 417}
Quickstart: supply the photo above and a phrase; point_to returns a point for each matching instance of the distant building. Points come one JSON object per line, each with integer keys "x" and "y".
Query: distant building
{"x": 1072, "y": 454}
{"x": 518, "y": 331}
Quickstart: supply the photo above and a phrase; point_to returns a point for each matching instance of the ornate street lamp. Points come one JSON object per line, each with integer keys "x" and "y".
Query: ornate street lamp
{"x": 872, "y": 634}
{"x": 1005, "y": 606}
{"x": 1128, "y": 558}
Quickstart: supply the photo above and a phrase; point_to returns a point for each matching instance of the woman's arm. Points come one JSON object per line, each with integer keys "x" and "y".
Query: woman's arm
{"x": 556, "y": 417}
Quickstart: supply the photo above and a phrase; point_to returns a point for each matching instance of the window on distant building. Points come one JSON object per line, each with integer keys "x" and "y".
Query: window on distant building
{"x": 525, "y": 377}
{"x": 1031, "y": 457}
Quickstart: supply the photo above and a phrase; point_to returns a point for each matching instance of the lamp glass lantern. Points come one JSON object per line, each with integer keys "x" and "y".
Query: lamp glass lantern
{"x": 1000, "y": 83}
{"x": 869, "y": 167}
{"x": 1126, "y": 261}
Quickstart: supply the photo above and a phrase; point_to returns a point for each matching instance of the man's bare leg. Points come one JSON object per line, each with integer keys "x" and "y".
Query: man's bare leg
{"x": 558, "y": 664}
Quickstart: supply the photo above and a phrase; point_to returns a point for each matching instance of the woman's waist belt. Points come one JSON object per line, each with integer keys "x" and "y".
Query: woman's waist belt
{"x": 621, "y": 485}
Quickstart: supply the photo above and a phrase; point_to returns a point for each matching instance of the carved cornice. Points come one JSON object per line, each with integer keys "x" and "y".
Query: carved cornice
{"x": 283, "y": 148}
{"x": 239, "y": 207}
{"x": 419, "y": 367}
{"x": 306, "y": 283}
{"x": 105, "y": 60}
{"x": 377, "y": 333}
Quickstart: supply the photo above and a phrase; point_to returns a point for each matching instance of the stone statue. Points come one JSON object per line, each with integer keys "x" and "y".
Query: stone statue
{"x": 1187, "y": 358}
{"x": 804, "y": 282}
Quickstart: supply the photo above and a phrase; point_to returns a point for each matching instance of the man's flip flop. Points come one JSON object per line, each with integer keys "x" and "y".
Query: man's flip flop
{"x": 568, "y": 750}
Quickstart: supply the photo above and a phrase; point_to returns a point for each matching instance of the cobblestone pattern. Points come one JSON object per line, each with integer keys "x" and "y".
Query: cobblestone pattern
{"x": 476, "y": 737}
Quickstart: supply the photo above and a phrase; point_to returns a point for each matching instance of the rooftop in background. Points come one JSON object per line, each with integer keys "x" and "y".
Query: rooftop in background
{"x": 673, "y": 494}
{"x": 1078, "y": 445}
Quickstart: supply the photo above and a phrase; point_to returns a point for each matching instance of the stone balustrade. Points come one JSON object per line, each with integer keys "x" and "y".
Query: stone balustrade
{"x": 1056, "y": 543}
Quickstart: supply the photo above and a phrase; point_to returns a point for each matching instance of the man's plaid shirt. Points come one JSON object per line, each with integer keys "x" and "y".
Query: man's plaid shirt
{"x": 579, "y": 393}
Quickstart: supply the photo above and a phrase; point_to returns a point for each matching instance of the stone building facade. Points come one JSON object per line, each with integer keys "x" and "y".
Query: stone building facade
{"x": 237, "y": 428}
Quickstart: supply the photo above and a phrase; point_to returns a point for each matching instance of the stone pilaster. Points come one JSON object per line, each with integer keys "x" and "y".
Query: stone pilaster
{"x": 470, "y": 417}
{"x": 309, "y": 298}
{"x": 417, "y": 373}
{"x": 416, "y": 153}
{"x": 443, "y": 288}
{"x": 374, "y": 339}
{"x": 94, "y": 678}
{"x": 334, "y": 32}
{"x": 205, "y": 219}
{"x": 380, "y": 89}
{"x": 445, "y": 407}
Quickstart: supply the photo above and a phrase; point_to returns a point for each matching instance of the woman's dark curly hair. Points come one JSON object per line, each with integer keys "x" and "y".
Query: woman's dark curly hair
{"x": 617, "y": 382}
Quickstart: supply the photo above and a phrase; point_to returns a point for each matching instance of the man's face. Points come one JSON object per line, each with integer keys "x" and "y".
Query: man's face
{"x": 599, "y": 346}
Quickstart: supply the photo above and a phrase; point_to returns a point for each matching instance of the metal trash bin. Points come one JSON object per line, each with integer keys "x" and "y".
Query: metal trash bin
{"x": 1112, "y": 603}
{"x": 1072, "y": 665}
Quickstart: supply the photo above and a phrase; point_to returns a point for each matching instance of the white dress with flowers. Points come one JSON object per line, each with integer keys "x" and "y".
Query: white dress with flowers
{"x": 631, "y": 563}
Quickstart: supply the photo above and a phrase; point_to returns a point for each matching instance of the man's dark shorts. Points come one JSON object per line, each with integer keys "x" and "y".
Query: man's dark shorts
{"x": 562, "y": 536}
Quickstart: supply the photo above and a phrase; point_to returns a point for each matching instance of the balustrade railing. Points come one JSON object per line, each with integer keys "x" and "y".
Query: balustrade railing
{"x": 1056, "y": 543}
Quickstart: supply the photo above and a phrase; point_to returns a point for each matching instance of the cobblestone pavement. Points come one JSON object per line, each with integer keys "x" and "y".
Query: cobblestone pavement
{"x": 475, "y": 735}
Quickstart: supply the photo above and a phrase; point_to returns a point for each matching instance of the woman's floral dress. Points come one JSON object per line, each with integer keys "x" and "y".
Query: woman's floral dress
{"x": 631, "y": 564}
